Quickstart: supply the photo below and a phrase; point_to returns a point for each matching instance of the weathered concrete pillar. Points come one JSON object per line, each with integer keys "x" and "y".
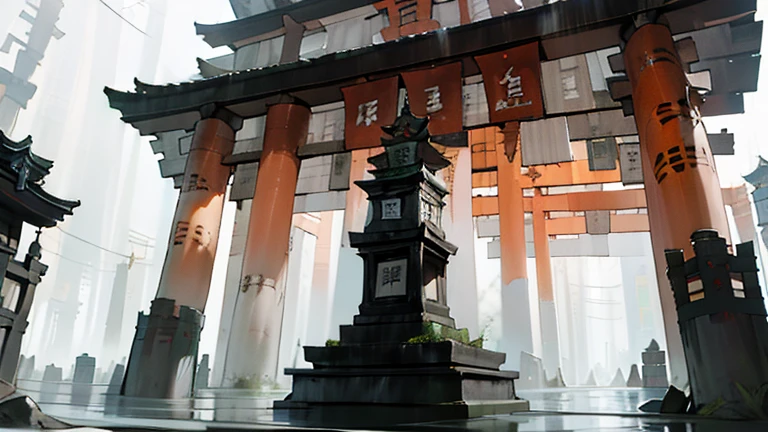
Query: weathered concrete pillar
{"x": 326, "y": 267}
{"x": 458, "y": 224}
{"x": 550, "y": 342}
{"x": 516, "y": 313}
{"x": 681, "y": 184}
{"x": 255, "y": 335}
{"x": 188, "y": 265}
{"x": 346, "y": 296}
{"x": 231, "y": 289}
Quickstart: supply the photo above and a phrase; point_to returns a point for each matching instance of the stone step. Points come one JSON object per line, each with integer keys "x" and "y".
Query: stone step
{"x": 404, "y": 385}
{"x": 425, "y": 354}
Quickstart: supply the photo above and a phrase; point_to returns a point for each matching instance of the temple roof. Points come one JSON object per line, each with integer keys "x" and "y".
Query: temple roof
{"x": 759, "y": 177}
{"x": 249, "y": 25}
{"x": 246, "y": 8}
{"x": 22, "y": 175}
{"x": 565, "y": 28}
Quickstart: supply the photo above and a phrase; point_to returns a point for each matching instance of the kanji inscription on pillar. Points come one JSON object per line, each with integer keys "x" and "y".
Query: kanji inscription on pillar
{"x": 196, "y": 182}
{"x": 182, "y": 228}
{"x": 390, "y": 278}
{"x": 390, "y": 209}
{"x": 202, "y": 236}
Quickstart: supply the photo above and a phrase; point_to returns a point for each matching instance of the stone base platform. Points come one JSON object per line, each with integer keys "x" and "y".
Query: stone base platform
{"x": 370, "y": 415}
{"x": 399, "y": 383}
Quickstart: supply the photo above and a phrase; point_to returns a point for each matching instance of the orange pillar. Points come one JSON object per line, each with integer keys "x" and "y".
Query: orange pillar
{"x": 188, "y": 266}
{"x": 516, "y": 314}
{"x": 511, "y": 219}
{"x": 550, "y": 342}
{"x": 254, "y": 340}
{"x": 681, "y": 182}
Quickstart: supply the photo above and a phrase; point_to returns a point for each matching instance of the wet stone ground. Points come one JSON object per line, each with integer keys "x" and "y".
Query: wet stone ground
{"x": 571, "y": 409}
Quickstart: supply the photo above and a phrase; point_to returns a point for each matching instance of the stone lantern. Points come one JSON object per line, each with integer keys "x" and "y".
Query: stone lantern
{"x": 403, "y": 245}
{"x": 402, "y": 360}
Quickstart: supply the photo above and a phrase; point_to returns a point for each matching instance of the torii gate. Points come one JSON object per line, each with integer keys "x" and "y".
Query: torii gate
{"x": 681, "y": 186}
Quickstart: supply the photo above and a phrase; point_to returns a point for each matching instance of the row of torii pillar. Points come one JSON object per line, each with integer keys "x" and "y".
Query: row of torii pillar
{"x": 682, "y": 194}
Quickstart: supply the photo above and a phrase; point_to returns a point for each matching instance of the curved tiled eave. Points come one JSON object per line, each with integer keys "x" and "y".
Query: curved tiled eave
{"x": 228, "y": 33}
{"x": 565, "y": 28}
{"x": 33, "y": 205}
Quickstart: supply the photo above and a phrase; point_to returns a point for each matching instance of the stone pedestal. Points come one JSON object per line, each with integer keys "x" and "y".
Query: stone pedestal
{"x": 366, "y": 384}
{"x": 722, "y": 320}
{"x": 50, "y": 387}
{"x": 402, "y": 360}
{"x": 164, "y": 352}
{"x": 654, "y": 366}
{"x": 82, "y": 381}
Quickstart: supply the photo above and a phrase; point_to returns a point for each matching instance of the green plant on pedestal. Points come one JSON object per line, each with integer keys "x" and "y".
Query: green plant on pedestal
{"x": 434, "y": 332}
{"x": 712, "y": 408}
{"x": 753, "y": 404}
{"x": 755, "y": 400}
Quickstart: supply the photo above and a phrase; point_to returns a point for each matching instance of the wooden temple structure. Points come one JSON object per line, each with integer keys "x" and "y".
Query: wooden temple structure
{"x": 550, "y": 102}
{"x": 22, "y": 200}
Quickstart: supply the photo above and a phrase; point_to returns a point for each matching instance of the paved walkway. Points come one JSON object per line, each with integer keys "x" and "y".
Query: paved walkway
{"x": 572, "y": 409}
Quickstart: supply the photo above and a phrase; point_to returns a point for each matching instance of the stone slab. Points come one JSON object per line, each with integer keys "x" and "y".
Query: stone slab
{"x": 654, "y": 357}
{"x": 370, "y": 415}
{"x": 382, "y": 333}
{"x": 445, "y": 353}
{"x": 404, "y": 385}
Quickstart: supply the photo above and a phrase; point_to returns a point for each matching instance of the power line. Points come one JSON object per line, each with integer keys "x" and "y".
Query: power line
{"x": 123, "y": 18}
{"x": 86, "y": 264}
{"x": 93, "y": 244}
{"x": 78, "y": 262}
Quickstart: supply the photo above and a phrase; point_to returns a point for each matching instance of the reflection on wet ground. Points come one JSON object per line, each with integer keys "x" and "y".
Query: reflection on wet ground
{"x": 572, "y": 409}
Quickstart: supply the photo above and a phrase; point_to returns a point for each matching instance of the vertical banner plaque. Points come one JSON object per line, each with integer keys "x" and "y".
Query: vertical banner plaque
{"x": 368, "y": 107}
{"x": 630, "y": 163}
{"x": 437, "y": 93}
{"x": 512, "y": 81}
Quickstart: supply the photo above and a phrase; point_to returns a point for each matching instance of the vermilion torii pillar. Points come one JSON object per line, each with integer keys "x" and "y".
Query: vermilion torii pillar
{"x": 550, "y": 341}
{"x": 161, "y": 366}
{"x": 255, "y": 336}
{"x": 681, "y": 183}
{"x": 188, "y": 265}
{"x": 516, "y": 313}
